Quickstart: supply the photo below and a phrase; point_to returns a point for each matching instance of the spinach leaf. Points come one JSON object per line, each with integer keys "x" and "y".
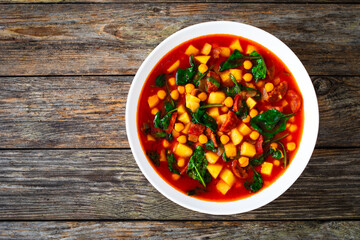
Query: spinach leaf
{"x": 225, "y": 158}
{"x": 214, "y": 81}
{"x": 235, "y": 60}
{"x": 160, "y": 80}
{"x": 160, "y": 134}
{"x": 259, "y": 160}
{"x": 168, "y": 106}
{"x": 172, "y": 164}
{"x": 197, "y": 167}
{"x": 257, "y": 182}
{"x": 259, "y": 70}
{"x": 169, "y": 137}
{"x": 284, "y": 152}
{"x": 201, "y": 117}
{"x": 184, "y": 76}
{"x": 202, "y": 75}
{"x": 275, "y": 153}
{"x": 237, "y": 88}
{"x": 163, "y": 123}
{"x": 196, "y": 191}
{"x": 154, "y": 157}
{"x": 270, "y": 122}
{"x": 210, "y": 146}
{"x": 157, "y": 122}
{"x": 243, "y": 110}
{"x": 146, "y": 128}
{"x": 211, "y": 105}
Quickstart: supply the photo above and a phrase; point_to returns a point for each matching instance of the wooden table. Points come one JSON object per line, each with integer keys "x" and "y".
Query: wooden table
{"x": 66, "y": 170}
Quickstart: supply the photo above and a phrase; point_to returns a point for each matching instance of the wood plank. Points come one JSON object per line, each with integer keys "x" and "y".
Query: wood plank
{"x": 107, "y": 184}
{"x": 89, "y": 112}
{"x": 101, "y": 39}
{"x": 172, "y": 1}
{"x": 182, "y": 230}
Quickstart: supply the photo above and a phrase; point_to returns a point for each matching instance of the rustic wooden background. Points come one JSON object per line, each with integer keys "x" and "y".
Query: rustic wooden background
{"x": 66, "y": 170}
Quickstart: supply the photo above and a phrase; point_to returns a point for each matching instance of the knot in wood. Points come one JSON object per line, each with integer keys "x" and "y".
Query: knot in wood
{"x": 322, "y": 85}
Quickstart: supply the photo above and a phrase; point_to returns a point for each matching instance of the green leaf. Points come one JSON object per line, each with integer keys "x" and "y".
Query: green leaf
{"x": 259, "y": 70}
{"x": 284, "y": 152}
{"x": 275, "y": 153}
{"x": 210, "y": 146}
{"x": 202, "y": 75}
{"x": 160, "y": 134}
{"x": 214, "y": 81}
{"x": 160, "y": 80}
{"x": 235, "y": 60}
{"x": 201, "y": 117}
{"x": 184, "y": 76}
{"x": 168, "y": 106}
{"x": 172, "y": 163}
{"x": 163, "y": 123}
{"x": 225, "y": 158}
{"x": 157, "y": 122}
{"x": 270, "y": 122}
{"x": 257, "y": 182}
{"x": 197, "y": 167}
{"x": 154, "y": 157}
{"x": 196, "y": 191}
{"x": 243, "y": 110}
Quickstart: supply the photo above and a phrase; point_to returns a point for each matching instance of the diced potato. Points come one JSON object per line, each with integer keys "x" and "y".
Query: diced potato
{"x": 230, "y": 150}
{"x": 183, "y": 151}
{"x": 237, "y": 74}
{"x": 175, "y": 133}
{"x": 153, "y": 101}
{"x": 213, "y": 112}
{"x": 221, "y": 118}
{"x": 206, "y": 49}
{"x": 192, "y": 102}
{"x": 250, "y": 49}
{"x": 186, "y": 128}
{"x": 266, "y": 168}
{"x": 173, "y": 67}
{"x": 192, "y": 50}
{"x": 225, "y": 76}
{"x": 222, "y": 187}
{"x": 211, "y": 157}
{"x": 202, "y": 59}
{"x": 236, "y": 136}
{"x": 163, "y": 156}
{"x": 150, "y": 138}
{"x": 228, "y": 177}
{"x": 236, "y": 45}
{"x": 184, "y": 118}
{"x": 250, "y": 102}
{"x": 244, "y": 129}
{"x": 214, "y": 169}
{"x": 225, "y": 52}
{"x": 248, "y": 149}
{"x": 216, "y": 97}
{"x": 181, "y": 109}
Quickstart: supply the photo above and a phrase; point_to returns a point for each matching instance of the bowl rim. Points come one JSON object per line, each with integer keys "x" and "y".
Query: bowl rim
{"x": 310, "y": 129}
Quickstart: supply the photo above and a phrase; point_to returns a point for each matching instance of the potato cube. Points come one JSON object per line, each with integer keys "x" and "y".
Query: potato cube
{"x": 221, "y": 119}
{"x": 192, "y": 50}
{"x": 250, "y": 102}
{"x": 244, "y": 129}
{"x": 225, "y": 76}
{"x": 184, "y": 118}
{"x": 150, "y": 138}
{"x": 192, "y": 102}
{"x": 248, "y": 149}
{"x": 214, "y": 169}
{"x": 236, "y": 136}
{"x": 213, "y": 112}
{"x": 222, "y": 187}
{"x": 216, "y": 97}
{"x": 225, "y": 52}
{"x": 236, "y": 45}
{"x": 186, "y": 128}
{"x": 153, "y": 101}
{"x": 202, "y": 59}
{"x": 237, "y": 73}
{"x": 230, "y": 150}
{"x": 228, "y": 177}
{"x": 250, "y": 49}
{"x": 183, "y": 151}
{"x": 163, "y": 156}
{"x": 266, "y": 168}
{"x": 211, "y": 157}
{"x": 181, "y": 109}
{"x": 173, "y": 67}
{"x": 206, "y": 49}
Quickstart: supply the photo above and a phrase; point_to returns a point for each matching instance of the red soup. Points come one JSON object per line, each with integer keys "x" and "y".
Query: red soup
{"x": 220, "y": 117}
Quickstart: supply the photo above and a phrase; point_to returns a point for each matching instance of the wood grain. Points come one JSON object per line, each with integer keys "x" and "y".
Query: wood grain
{"x": 172, "y": 1}
{"x": 181, "y": 230}
{"x": 89, "y": 112}
{"x": 107, "y": 184}
{"x": 101, "y": 39}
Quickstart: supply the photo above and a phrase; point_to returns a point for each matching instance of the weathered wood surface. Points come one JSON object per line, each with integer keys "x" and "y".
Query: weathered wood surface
{"x": 182, "y": 230}
{"x": 101, "y": 39}
{"x": 175, "y": 1}
{"x": 107, "y": 184}
{"x": 89, "y": 112}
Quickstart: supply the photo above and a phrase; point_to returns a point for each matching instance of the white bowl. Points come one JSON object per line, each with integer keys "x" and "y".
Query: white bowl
{"x": 311, "y": 117}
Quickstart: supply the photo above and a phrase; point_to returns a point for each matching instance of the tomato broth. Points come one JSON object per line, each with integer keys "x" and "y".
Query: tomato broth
{"x": 276, "y": 73}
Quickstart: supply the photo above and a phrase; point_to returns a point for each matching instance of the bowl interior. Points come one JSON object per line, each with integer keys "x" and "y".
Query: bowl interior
{"x": 311, "y": 117}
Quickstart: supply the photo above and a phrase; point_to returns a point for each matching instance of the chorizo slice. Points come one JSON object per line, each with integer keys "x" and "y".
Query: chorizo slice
{"x": 294, "y": 100}
{"x": 196, "y": 129}
{"x": 278, "y": 92}
{"x": 238, "y": 170}
{"x": 211, "y": 135}
{"x": 171, "y": 123}
{"x": 230, "y": 122}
